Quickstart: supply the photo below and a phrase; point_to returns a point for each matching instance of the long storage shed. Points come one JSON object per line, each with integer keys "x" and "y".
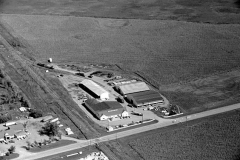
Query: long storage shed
{"x": 94, "y": 89}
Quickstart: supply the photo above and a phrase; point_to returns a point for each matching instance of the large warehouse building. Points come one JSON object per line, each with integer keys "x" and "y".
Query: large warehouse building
{"x": 107, "y": 109}
{"x": 144, "y": 98}
{"x": 132, "y": 88}
{"x": 94, "y": 89}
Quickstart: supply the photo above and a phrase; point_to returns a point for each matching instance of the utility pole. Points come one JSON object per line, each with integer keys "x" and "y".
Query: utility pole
{"x": 89, "y": 144}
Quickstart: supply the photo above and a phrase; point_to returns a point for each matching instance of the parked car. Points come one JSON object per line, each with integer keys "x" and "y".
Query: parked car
{"x": 137, "y": 113}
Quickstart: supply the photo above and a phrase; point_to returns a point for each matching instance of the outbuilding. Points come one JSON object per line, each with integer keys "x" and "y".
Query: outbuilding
{"x": 145, "y": 98}
{"x": 20, "y": 135}
{"x": 106, "y": 110}
{"x": 132, "y": 88}
{"x": 94, "y": 89}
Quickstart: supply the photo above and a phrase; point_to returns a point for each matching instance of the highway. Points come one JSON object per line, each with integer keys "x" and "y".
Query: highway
{"x": 161, "y": 123}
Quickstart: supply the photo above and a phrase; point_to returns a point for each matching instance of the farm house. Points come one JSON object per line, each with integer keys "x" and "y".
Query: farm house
{"x": 107, "y": 109}
{"x": 132, "y": 88}
{"x": 144, "y": 98}
{"x": 94, "y": 89}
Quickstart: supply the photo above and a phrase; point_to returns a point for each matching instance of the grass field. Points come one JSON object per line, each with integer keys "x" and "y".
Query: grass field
{"x": 215, "y": 137}
{"x": 211, "y": 11}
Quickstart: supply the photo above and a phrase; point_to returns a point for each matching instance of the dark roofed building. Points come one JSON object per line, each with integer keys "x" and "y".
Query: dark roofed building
{"x": 107, "y": 109}
{"x": 144, "y": 98}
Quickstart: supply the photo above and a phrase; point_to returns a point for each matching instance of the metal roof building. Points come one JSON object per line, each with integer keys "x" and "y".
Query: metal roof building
{"x": 132, "y": 88}
{"x": 144, "y": 98}
{"x": 106, "y": 109}
{"x": 94, "y": 89}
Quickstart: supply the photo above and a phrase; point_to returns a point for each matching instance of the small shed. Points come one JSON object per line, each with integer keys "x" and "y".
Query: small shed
{"x": 50, "y": 60}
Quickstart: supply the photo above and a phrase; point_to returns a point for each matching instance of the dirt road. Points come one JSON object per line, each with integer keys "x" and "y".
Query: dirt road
{"x": 160, "y": 124}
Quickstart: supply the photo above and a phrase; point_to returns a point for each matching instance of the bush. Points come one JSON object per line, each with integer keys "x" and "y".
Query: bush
{"x": 35, "y": 113}
{"x": 11, "y": 149}
{"x": 7, "y": 153}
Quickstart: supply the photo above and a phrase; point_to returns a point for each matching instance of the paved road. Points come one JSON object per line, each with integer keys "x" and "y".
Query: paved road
{"x": 160, "y": 124}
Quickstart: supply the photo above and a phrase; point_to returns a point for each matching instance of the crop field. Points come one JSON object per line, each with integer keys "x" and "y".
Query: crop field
{"x": 205, "y": 93}
{"x": 166, "y": 51}
{"x": 214, "y": 138}
{"x": 211, "y": 11}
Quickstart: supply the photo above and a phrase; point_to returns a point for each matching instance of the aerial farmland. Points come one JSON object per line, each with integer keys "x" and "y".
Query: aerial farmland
{"x": 186, "y": 53}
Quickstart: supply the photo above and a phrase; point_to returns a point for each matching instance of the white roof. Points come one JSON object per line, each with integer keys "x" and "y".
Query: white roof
{"x": 134, "y": 87}
{"x": 22, "y": 109}
{"x": 94, "y": 87}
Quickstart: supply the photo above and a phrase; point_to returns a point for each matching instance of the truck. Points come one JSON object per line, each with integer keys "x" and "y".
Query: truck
{"x": 54, "y": 120}
{"x": 10, "y": 123}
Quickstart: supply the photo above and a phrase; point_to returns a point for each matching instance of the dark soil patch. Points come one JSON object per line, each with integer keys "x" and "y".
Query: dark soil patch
{"x": 183, "y": 11}
{"x": 226, "y": 10}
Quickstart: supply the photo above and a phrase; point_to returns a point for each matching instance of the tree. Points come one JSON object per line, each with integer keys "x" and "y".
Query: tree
{"x": 11, "y": 149}
{"x": 50, "y": 129}
{"x": 25, "y": 125}
{"x": 7, "y": 153}
{"x": 4, "y": 119}
{"x": 35, "y": 113}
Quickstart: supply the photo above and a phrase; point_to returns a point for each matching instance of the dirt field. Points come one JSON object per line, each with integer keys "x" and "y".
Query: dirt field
{"x": 210, "y": 11}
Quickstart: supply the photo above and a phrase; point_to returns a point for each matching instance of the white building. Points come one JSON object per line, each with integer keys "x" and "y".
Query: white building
{"x": 95, "y": 89}
{"x": 132, "y": 88}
